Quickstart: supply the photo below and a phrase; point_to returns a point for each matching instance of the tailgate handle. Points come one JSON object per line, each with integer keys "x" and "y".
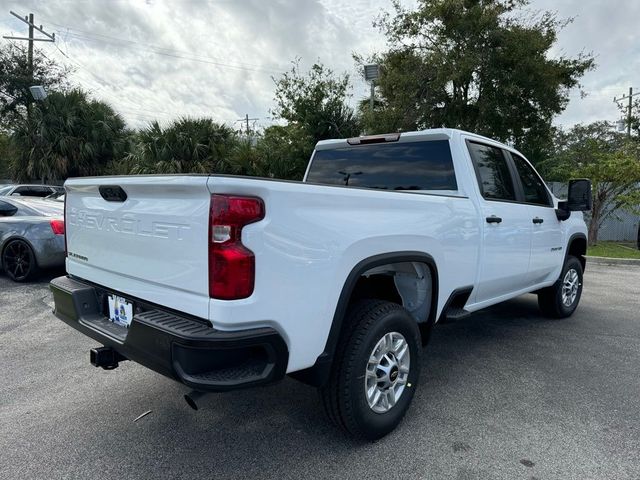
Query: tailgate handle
{"x": 112, "y": 193}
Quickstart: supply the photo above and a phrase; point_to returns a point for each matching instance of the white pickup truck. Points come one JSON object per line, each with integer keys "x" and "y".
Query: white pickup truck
{"x": 222, "y": 282}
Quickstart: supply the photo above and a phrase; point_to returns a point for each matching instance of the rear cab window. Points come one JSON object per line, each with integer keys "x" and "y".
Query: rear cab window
{"x": 419, "y": 165}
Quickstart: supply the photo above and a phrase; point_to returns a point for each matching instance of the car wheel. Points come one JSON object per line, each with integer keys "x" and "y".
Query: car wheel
{"x": 18, "y": 261}
{"x": 561, "y": 299}
{"x": 375, "y": 371}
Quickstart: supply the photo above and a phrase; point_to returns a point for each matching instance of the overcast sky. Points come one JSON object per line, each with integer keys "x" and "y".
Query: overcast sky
{"x": 166, "y": 58}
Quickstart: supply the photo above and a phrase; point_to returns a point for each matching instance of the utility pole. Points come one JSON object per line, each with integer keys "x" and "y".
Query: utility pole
{"x": 32, "y": 26}
{"x": 246, "y": 120}
{"x": 629, "y": 107}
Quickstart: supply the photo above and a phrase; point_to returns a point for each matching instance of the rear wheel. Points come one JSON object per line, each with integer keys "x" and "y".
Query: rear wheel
{"x": 18, "y": 261}
{"x": 375, "y": 371}
{"x": 561, "y": 299}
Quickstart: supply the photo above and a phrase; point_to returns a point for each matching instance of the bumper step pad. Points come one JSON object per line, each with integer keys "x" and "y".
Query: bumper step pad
{"x": 186, "y": 349}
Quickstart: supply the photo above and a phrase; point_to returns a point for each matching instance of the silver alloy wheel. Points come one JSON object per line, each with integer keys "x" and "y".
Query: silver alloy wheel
{"x": 570, "y": 285}
{"x": 387, "y": 372}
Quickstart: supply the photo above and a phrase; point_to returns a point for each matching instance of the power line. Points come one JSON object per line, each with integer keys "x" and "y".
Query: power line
{"x": 85, "y": 35}
{"x": 192, "y": 58}
{"x": 94, "y": 34}
{"x": 97, "y": 37}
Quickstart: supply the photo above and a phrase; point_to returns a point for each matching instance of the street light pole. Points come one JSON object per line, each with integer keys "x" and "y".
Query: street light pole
{"x": 371, "y": 74}
{"x": 373, "y": 93}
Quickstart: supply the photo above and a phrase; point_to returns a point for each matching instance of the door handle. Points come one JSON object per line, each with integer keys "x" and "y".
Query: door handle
{"x": 494, "y": 219}
{"x": 538, "y": 220}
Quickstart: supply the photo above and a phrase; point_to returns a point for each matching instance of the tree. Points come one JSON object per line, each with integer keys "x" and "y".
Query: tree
{"x": 316, "y": 102}
{"x": 188, "y": 145}
{"x": 285, "y": 151}
{"x": 281, "y": 151}
{"x": 596, "y": 151}
{"x": 15, "y": 81}
{"x": 623, "y": 106}
{"x": 4, "y": 156}
{"x": 68, "y": 135}
{"x": 478, "y": 65}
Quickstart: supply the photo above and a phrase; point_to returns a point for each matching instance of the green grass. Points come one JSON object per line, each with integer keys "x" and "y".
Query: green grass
{"x": 613, "y": 250}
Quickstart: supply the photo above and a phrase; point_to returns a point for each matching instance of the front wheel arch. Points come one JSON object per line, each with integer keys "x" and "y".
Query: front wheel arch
{"x": 577, "y": 247}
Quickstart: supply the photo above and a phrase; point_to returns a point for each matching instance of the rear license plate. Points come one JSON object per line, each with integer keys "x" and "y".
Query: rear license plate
{"x": 120, "y": 311}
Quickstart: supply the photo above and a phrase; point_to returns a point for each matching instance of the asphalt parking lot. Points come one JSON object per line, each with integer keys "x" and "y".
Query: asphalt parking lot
{"x": 504, "y": 394}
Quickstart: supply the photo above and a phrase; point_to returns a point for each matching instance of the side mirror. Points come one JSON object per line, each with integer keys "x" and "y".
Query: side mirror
{"x": 7, "y": 210}
{"x": 579, "y": 197}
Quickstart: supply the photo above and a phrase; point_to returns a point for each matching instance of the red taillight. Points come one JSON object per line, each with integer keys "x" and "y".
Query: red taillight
{"x": 57, "y": 226}
{"x": 231, "y": 264}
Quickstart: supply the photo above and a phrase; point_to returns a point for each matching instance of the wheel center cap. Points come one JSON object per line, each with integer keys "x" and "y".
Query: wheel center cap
{"x": 393, "y": 375}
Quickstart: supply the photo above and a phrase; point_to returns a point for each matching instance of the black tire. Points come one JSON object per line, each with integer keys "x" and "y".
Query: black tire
{"x": 550, "y": 299}
{"x": 345, "y": 397}
{"x": 19, "y": 261}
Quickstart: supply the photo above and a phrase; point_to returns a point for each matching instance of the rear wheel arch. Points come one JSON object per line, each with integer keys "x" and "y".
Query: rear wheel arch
{"x": 318, "y": 374}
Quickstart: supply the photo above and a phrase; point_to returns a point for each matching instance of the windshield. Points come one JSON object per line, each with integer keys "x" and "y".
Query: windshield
{"x": 5, "y": 190}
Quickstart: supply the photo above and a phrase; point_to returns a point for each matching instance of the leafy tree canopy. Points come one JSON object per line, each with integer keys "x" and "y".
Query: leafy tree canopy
{"x": 4, "y": 156}
{"x": 479, "y": 65}
{"x": 15, "y": 80}
{"x": 316, "y": 102}
{"x": 612, "y": 163}
{"x": 68, "y": 135}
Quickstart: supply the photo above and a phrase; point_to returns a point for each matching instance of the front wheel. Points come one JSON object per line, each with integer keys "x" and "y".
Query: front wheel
{"x": 375, "y": 371}
{"x": 561, "y": 299}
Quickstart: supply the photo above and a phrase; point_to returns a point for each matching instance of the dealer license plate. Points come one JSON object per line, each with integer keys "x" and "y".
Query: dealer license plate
{"x": 120, "y": 311}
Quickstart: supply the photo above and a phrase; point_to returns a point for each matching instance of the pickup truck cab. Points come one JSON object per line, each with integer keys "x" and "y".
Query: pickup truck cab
{"x": 224, "y": 282}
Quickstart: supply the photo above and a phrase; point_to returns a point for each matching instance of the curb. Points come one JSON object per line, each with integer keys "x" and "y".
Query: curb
{"x": 613, "y": 261}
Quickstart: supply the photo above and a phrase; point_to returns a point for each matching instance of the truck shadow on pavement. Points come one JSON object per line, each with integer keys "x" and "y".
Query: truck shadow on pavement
{"x": 282, "y": 428}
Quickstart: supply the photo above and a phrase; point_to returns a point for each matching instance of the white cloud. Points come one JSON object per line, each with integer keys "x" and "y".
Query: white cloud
{"x": 162, "y": 59}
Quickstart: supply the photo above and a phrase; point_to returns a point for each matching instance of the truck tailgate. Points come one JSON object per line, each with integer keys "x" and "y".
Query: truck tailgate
{"x": 151, "y": 245}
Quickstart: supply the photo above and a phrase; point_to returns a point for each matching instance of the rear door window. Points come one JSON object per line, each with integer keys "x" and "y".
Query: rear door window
{"x": 492, "y": 170}
{"x": 423, "y": 165}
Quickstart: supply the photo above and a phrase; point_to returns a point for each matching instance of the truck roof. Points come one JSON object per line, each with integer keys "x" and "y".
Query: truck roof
{"x": 432, "y": 133}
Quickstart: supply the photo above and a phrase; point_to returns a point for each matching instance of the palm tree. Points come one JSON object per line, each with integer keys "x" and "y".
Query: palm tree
{"x": 68, "y": 135}
{"x": 188, "y": 145}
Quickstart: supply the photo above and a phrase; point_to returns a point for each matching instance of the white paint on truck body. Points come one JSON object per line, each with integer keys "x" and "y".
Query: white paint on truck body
{"x": 154, "y": 246}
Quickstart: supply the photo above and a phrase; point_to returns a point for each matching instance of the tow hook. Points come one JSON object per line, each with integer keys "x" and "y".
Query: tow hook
{"x": 105, "y": 357}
